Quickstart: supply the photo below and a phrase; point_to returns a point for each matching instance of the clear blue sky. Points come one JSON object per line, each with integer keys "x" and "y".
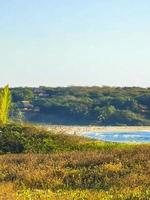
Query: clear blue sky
{"x": 75, "y": 42}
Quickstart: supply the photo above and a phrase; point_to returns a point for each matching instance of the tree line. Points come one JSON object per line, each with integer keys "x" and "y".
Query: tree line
{"x": 85, "y": 105}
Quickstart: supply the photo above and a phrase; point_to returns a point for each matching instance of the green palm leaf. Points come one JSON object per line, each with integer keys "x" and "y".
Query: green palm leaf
{"x": 5, "y": 103}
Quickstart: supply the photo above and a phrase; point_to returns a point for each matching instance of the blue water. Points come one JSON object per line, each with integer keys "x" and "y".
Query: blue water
{"x": 138, "y": 136}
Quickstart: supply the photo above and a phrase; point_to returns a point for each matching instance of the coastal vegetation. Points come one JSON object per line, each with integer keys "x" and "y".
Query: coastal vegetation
{"x": 82, "y": 105}
{"x": 37, "y": 164}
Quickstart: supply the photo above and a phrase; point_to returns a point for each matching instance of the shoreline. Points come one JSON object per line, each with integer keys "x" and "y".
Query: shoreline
{"x": 82, "y": 129}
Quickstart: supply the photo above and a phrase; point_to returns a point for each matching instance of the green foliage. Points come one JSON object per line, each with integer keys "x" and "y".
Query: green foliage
{"x": 5, "y": 103}
{"x": 26, "y": 138}
{"x": 86, "y": 105}
{"x": 105, "y": 113}
{"x": 20, "y": 94}
{"x": 16, "y": 114}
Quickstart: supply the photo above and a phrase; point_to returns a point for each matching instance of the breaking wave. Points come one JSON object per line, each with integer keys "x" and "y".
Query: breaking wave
{"x": 138, "y": 136}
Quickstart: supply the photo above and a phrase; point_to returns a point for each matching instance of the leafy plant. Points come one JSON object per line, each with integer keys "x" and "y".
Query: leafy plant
{"x": 5, "y": 103}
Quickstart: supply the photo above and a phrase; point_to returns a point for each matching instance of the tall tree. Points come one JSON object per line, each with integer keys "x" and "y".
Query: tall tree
{"x": 5, "y": 103}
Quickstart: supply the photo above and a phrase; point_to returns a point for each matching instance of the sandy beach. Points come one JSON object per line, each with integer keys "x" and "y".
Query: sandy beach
{"x": 81, "y": 129}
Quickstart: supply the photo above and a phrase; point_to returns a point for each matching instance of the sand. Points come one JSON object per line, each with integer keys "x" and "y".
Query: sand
{"x": 81, "y": 129}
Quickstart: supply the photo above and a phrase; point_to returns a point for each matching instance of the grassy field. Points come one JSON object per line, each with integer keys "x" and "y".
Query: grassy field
{"x": 36, "y": 164}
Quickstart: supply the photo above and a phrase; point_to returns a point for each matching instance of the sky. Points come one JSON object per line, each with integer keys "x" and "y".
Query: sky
{"x": 75, "y": 42}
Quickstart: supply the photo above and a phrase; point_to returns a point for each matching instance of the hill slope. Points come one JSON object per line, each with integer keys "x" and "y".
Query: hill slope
{"x": 82, "y": 105}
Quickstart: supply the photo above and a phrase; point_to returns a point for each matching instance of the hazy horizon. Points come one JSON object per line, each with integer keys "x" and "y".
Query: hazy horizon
{"x": 83, "y": 43}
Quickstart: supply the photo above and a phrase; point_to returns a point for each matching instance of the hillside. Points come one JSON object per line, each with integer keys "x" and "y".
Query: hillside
{"x": 82, "y": 105}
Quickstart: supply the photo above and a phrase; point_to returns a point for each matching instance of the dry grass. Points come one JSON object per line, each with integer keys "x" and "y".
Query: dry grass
{"x": 92, "y": 175}
{"x": 51, "y": 165}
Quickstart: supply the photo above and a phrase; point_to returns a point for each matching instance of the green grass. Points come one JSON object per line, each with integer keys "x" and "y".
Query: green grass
{"x": 36, "y": 164}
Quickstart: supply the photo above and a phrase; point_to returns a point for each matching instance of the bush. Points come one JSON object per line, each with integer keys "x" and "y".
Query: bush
{"x": 26, "y": 138}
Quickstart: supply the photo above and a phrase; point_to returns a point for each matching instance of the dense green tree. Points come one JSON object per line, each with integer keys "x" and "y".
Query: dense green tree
{"x": 86, "y": 105}
{"x": 106, "y": 113}
{"x": 16, "y": 113}
{"x": 20, "y": 94}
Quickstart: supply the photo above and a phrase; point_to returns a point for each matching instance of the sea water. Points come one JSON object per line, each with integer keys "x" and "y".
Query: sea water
{"x": 137, "y": 136}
